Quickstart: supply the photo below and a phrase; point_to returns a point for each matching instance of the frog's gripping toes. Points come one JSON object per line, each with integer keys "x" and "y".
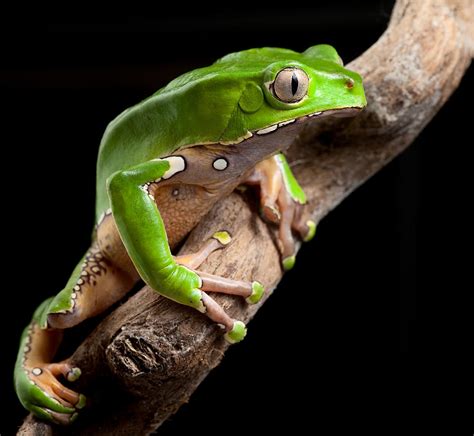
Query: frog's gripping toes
{"x": 37, "y": 382}
{"x": 162, "y": 165}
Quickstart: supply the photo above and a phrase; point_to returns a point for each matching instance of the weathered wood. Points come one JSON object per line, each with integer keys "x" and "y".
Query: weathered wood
{"x": 157, "y": 351}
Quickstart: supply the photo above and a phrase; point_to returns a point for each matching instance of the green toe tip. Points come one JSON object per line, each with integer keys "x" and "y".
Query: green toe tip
{"x": 257, "y": 293}
{"x": 237, "y": 333}
{"x": 82, "y": 402}
{"x": 73, "y": 417}
{"x": 223, "y": 237}
{"x": 74, "y": 374}
{"x": 289, "y": 262}
{"x": 311, "y": 230}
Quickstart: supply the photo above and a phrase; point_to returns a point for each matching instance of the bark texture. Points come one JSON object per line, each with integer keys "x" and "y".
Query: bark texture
{"x": 158, "y": 352}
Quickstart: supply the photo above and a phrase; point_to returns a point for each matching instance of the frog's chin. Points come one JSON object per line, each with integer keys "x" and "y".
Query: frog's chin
{"x": 284, "y": 128}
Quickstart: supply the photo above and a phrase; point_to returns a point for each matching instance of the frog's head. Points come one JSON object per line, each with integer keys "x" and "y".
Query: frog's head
{"x": 279, "y": 87}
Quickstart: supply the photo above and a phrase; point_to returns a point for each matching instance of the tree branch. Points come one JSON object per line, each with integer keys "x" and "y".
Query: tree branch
{"x": 158, "y": 351}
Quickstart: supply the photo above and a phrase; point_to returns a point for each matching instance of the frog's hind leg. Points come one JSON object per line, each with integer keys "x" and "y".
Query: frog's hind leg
{"x": 282, "y": 202}
{"x": 103, "y": 276}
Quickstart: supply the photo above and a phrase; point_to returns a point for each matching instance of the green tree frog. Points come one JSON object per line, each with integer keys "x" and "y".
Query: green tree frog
{"x": 162, "y": 165}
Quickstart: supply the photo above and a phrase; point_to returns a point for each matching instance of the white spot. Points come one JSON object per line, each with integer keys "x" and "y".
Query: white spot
{"x": 77, "y": 288}
{"x": 314, "y": 114}
{"x": 175, "y": 192}
{"x": 284, "y": 123}
{"x": 220, "y": 164}
{"x": 238, "y": 140}
{"x": 95, "y": 269}
{"x": 36, "y": 371}
{"x": 84, "y": 273}
{"x": 177, "y": 164}
{"x": 73, "y": 295}
{"x": 26, "y": 349}
{"x": 267, "y": 130}
{"x": 158, "y": 180}
{"x": 80, "y": 282}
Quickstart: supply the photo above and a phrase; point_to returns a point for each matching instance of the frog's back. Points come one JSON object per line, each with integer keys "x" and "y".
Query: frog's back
{"x": 192, "y": 109}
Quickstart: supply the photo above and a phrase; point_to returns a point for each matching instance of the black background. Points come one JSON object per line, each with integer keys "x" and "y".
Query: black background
{"x": 336, "y": 325}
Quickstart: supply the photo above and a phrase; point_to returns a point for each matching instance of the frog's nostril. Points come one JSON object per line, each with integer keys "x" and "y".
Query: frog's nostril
{"x": 349, "y": 83}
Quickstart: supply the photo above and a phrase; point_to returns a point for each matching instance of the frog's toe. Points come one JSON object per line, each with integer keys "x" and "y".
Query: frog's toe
{"x": 258, "y": 290}
{"x": 52, "y": 416}
{"x": 271, "y": 213}
{"x": 69, "y": 372}
{"x": 288, "y": 262}
{"x": 237, "y": 333}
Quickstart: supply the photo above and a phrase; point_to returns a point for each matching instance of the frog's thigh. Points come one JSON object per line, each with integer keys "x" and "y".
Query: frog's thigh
{"x": 104, "y": 276}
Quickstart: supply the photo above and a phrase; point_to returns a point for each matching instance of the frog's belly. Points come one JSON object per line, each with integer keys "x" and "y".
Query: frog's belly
{"x": 182, "y": 206}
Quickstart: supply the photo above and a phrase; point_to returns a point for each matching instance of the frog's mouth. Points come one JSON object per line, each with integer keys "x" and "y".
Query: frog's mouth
{"x": 342, "y": 113}
{"x": 262, "y": 143}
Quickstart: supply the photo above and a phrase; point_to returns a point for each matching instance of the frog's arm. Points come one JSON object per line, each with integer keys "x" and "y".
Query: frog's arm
{"x": 291, "y": 184}
{"x": 143, "y": 232}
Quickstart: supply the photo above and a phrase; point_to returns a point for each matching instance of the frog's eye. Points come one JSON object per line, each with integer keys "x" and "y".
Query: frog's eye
{"x": 290, "y": 85}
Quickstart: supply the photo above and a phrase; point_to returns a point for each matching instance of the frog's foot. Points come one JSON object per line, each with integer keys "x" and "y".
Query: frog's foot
{"x": 282, "y": 202}
{"x": 292, "y": 220}
{"x": 46, "y": 397}
{"x": 253, "y": 292}
{"x": 37, "y": 380}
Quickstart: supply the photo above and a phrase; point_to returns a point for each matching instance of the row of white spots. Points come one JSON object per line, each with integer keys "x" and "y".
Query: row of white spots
{"x": 273, "y": 127}
{"x": 93, "y": 258}
{"x": 27, "y": 348}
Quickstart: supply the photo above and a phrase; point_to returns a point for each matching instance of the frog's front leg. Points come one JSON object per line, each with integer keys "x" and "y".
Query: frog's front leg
{"x": 143, "y": 233}
{"x": 282, "y": 201}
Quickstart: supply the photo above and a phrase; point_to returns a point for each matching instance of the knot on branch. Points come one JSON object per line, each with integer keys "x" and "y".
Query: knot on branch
{"x": 153, "y": 354}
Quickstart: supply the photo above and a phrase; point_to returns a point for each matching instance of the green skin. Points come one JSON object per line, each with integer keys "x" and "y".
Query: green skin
{"x": 226, "y": 103}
